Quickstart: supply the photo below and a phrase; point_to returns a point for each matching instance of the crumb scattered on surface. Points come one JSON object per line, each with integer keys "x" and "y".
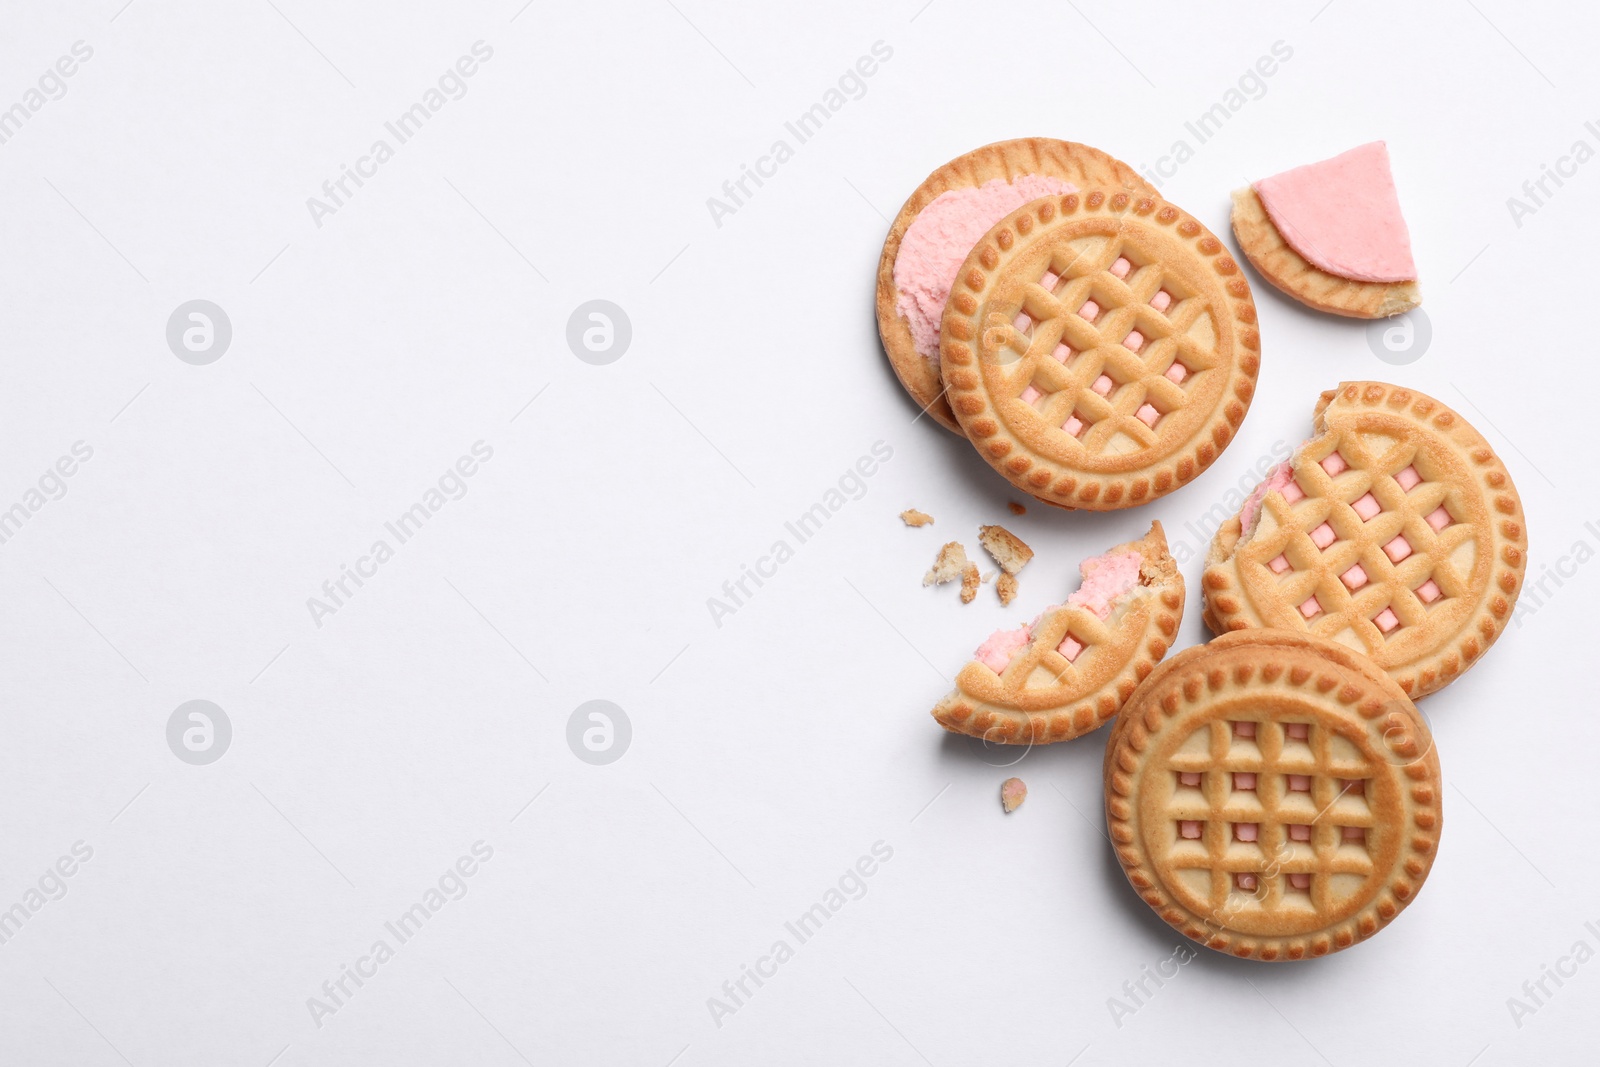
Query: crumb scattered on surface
{"x": 951, "y": 561}
{"x": 988, "y": 577}
{"x": 913, "y": 517}
{"x": 969, "y": 583}
{"x": 1016, "y": 508}
{"x": 1008, "y": 550}
{"x": 1006, "y": 587}
{"x": 1013, "y": 791}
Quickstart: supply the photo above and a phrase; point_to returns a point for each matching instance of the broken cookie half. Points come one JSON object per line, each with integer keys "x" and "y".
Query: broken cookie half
{"x": 1067, "y": 672}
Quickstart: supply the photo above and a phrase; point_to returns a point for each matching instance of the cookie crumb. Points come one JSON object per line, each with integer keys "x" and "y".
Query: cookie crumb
{"x": 1013, "y": 791}
{"x": 951, "y": 561}
{"x": 1007, "y": 549}
{"x": 913, "y": 517}
{"x": 1006, "y": 586}
{"x": 1016, "y": 508}
{"x": 969, "y": 583}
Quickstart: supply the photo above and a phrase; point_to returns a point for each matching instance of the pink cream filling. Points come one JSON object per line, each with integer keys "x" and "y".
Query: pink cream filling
{"x": 942, "y": 235}
{"x": 1002, "y": 646}
{"x": 1282, "y": 475}
{"x": 1106, "y": 580}
{"x": 1343, "y": 215}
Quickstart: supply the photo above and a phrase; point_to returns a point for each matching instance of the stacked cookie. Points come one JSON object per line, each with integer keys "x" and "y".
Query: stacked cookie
{"x": 1275, "y": 793}
{"x": 1096, "y": 344}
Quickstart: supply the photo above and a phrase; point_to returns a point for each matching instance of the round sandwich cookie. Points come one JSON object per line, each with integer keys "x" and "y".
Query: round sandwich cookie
{"x": 1272, "y": 795}
{"x": 1067, "y": 672}
{"x": 1395, "y": 531}
{"x": 943, "y": 218}
{"x": 1100, "y": 348}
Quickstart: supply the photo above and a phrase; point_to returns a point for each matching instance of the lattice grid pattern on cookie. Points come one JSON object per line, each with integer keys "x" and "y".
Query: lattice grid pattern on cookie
{"x": 1364, "y": 544}
{"x": 1057, "y": 648}
{"x": 1106, "y": 345}
{"x": 1305, "y": 806}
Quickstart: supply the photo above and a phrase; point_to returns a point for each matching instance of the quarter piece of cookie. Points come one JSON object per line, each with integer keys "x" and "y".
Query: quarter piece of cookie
{"x": 1395, "y": 531}
{"x": 1100, "y": 348}
{"x": 1069, "y": 670}
{"x": 948, "y": 565}
{"x": 1272, "y": 795}
{"x": 941, "y": 221}
{"x": 1331, "y": 235}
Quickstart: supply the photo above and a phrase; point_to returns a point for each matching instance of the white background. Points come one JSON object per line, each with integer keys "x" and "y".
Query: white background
{"x": 771, "y": 752}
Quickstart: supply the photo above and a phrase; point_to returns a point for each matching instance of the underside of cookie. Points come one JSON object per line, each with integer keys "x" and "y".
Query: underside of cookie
{"x": 1068, "y": 671}
{"x": 967, "y": 196}
{"x": 1331, "y": 235}
{"x": 1395, "y": 531}
{"x": 1100, "y": 349}
{"x": 1273, "y": 795}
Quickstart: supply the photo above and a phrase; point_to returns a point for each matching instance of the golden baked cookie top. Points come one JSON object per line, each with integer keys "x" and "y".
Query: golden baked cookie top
{"x": 1273, "y": 795}
{"x": 1395, "y": 531}
{"x": 1100, "y": 349}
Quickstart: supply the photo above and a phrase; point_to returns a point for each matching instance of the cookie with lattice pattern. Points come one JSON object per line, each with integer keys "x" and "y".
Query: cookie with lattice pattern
{"x": 1100, "y": 348}
{"x": 1077, "y": 165}
{"x": 1395, "y": 531}
{"x": 1273, "y": 795}
{"x": 1074, "y": 666}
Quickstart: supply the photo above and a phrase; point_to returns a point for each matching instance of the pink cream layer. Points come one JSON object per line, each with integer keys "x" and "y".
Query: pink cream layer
{"x": 1281, "y": 476}
{"x": 942, "y": 235}
{"x": 1343, "y": 215}
{"x": 1106, "y": 579}
{"x": 1002, "y": 645}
